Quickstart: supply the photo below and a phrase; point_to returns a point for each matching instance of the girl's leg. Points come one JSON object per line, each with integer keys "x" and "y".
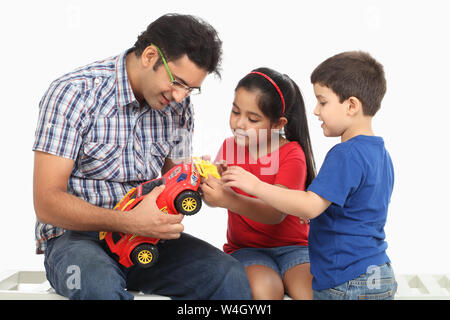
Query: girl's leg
{"x": 265, "y": 283}
{"x": 298, "y": 282}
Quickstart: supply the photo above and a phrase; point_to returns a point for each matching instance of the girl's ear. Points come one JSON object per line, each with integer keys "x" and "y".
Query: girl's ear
{"x": 280, "y": 124}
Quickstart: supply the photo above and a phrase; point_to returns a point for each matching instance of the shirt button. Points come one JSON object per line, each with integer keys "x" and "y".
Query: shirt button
{"x": 98, "y": 80}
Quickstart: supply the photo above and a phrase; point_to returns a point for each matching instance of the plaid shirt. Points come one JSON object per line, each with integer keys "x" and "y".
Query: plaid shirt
{"x": 92, "y": 117}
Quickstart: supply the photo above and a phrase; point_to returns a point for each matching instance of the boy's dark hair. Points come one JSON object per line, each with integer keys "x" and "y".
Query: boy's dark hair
{"x": 353, "y": 73}
{"x": 177, "y": 35}
{"x": 270, "y": 104}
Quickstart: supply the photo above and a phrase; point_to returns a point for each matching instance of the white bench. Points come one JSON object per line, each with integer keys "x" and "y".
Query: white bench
{"x": 33, "y": 285}
{"x": 423, "y": 287}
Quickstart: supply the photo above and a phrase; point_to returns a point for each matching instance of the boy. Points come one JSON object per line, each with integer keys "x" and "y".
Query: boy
{"x": 348, "y": 199}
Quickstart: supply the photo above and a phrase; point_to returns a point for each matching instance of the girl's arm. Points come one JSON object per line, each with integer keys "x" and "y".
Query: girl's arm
{"x": 215, "y": 194}
{"x": 304, "y": 204}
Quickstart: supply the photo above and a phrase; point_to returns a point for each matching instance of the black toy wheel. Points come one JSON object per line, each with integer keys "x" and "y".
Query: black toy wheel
{"x": 188, "y": 202}
{"x": 144, "y": 255}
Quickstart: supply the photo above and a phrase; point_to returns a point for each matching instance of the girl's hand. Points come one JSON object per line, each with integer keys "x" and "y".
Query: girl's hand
{"x": 214, "y": 192}
{"x": 221, "y": 166}
{"x": 206, "y": 157}
{"x": 237, "y": 177}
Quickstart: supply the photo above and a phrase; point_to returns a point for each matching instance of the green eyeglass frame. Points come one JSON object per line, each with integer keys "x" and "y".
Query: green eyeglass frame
{"x": 175, "y": 83}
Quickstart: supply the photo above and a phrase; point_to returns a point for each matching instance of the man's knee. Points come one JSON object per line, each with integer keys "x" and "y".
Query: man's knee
{"x": 92, "y": 282}
{"x": 83, "y": 270}
{"x": 235, "y": 283}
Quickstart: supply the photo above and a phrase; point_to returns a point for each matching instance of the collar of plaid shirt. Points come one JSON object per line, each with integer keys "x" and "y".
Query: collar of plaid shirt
{"x": 124, "y": 93}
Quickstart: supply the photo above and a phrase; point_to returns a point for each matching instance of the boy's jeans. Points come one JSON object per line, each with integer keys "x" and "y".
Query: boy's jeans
{"x": 78, "y": 267}
{"x": 377, "y": 284}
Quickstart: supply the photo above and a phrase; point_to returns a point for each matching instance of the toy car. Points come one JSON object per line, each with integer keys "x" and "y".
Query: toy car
{"x": 180, "y": 195}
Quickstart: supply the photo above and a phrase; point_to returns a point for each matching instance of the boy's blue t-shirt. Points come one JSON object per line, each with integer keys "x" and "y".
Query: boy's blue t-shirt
{"x": 357, "y": 176}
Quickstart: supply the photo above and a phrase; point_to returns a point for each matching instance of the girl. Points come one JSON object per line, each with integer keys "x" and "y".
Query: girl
{"x": 271, "y": 245}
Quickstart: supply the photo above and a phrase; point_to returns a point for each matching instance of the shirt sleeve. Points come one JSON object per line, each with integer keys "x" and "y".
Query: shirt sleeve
{"x": 220, "y": 155}
{"x": 292, "y": 170}
{"x": 60, "y": 122}
{"x": 339, "y": 176}
{"x": 182, "y": 148}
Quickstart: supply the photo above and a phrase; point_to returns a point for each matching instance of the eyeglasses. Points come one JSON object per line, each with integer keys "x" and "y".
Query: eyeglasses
{"x": 175, "y": 83}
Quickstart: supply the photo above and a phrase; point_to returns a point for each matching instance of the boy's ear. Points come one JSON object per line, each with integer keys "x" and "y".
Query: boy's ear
{"x": 354, "y": 106}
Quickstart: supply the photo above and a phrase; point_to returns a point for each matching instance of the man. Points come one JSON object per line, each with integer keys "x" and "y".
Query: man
{"x": 105, "y": 128}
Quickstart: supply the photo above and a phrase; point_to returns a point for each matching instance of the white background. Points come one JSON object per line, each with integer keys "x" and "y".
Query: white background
{"x": 41, "y": 40}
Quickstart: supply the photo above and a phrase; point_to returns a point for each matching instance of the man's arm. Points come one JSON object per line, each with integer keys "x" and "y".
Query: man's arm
{"x": 55, "y": 206}
{"x": 304, "y": 204}
{"x": 168, "y": 164}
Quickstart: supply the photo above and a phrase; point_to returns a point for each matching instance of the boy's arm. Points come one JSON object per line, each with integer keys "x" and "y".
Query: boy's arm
{"x": 214, "y": 194}
{"x": 304, "y": 204}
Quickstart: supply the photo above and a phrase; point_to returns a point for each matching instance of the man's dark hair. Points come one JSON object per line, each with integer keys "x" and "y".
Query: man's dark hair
{"x": 353, "y": 73}
{"x": 177, "y": 35}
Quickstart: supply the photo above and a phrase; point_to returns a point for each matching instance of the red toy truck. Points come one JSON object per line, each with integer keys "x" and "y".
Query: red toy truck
{"x": 180, "y": 195}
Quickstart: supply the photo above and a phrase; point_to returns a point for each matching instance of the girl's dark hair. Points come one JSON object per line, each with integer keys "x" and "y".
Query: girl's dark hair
{"x": 270, "y": 104}
{"x": 177, "y": 35}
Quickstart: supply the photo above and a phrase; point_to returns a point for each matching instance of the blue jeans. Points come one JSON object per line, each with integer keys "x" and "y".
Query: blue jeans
{"x": 377, "y": 284}
{"x": 280, "y": 259}
{"x": 79, "y": 267}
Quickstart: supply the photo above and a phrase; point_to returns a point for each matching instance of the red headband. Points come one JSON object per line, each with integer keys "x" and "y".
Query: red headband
{"x": 274, "y": 84}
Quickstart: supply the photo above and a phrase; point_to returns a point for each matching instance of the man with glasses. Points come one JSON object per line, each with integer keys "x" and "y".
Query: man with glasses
{"x": 105, "y": 128}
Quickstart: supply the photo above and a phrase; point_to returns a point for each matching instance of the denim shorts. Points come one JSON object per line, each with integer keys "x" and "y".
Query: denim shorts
{"x": 377, "y": 284}
{"x": 279, "y": 259}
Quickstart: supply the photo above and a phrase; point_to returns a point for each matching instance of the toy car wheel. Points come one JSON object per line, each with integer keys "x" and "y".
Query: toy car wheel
{"x": 188, "y": 202}
{"x": 145, "y": 255}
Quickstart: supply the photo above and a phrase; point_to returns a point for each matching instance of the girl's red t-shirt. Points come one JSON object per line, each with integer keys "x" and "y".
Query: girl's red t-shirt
{"x": 285, "y": 166}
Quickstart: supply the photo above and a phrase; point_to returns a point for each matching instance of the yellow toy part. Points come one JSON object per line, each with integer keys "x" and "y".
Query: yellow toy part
{"x": 206, "y": 168}
{"x": 164, "y": 209}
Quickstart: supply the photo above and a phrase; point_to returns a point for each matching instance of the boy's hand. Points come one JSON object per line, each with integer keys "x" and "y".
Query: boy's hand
{"x": 237, "y": 177}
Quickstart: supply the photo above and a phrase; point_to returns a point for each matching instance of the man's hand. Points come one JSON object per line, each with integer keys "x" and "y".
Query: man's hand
{"x": 237, "y": 177}
{"x": 147, "y": 220}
